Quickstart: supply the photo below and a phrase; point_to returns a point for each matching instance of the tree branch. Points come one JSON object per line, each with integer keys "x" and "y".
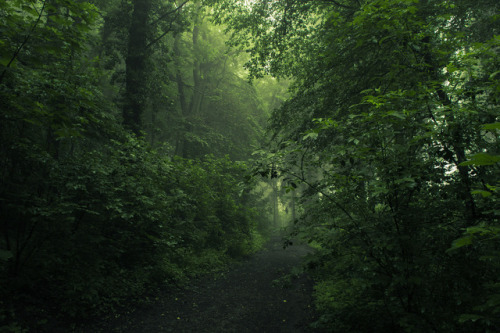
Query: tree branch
{"x": 156, "y": 40}
{"x": 16, "y": 53}
{"x": 169, "y": 13}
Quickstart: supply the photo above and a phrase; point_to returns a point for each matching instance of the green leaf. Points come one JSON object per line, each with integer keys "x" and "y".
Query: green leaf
{"x": 492, "y": 76}
{"x": 483, "y": 230}
{"x": 482, "y": 159}
{"x": 5, "y": 255}
{"x": 493, "y": 126}
{"x": 396, "y": 114}
{"x": 469, "y": 317}
{"x": 458, "y": 243}
{"x": 310, "y": 135}
{"x": 485, "y": 194}
{"x": 451, "y": 68}
{"x": 4, "y": 61}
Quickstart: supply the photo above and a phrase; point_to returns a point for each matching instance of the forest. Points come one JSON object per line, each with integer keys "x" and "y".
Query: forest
{"x": 147, "y": 144}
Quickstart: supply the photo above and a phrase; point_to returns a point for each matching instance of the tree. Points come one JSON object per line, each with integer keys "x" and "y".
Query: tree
{"x": 218, "y": 111}
{"x": 387, "y": 105}
{"x": 141, "y": 36}
{"x": 136, "y": 60}
{"x": 92, "y": 216}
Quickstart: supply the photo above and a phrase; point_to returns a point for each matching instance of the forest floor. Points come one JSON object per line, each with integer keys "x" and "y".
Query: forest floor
{"x": 266, "y": 292}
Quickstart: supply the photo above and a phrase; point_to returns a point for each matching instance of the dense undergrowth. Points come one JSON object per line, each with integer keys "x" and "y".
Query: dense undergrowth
{"x": 98, "y": 226}
{"x": 93, "y": 216}
{"x": 92, "y": 228}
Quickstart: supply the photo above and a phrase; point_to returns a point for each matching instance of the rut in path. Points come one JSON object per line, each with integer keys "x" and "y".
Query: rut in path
{"x": 255, "y": 296}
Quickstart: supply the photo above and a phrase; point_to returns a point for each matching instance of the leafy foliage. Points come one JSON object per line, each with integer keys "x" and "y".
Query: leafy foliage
{"x": 391, "y": 126}
{"x": 91, "y": 215}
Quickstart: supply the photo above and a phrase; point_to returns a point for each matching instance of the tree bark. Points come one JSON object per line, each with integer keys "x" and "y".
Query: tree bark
{"x": 136, "y": 61}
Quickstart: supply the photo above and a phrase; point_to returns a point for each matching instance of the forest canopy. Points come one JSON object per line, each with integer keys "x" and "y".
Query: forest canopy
{"x": 146, "y": 142}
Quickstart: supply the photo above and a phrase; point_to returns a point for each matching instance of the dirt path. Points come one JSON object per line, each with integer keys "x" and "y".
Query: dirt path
{"x": 253, "y": 297}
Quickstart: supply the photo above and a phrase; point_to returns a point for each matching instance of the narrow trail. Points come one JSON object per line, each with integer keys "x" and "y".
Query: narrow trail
{"x": 255, "y": 296}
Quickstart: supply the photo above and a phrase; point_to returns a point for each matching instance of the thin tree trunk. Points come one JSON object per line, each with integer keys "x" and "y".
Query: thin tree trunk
{"x": 179, "y": 146}
{"x": 276, "y": 217}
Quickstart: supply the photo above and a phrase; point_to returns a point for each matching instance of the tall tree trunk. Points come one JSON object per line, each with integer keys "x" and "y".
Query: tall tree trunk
{"x": 137, "y": 55}
{"x": 184, "y": 147}
{"x": 198, "y": 92}
{"x": 179, "y": 146}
